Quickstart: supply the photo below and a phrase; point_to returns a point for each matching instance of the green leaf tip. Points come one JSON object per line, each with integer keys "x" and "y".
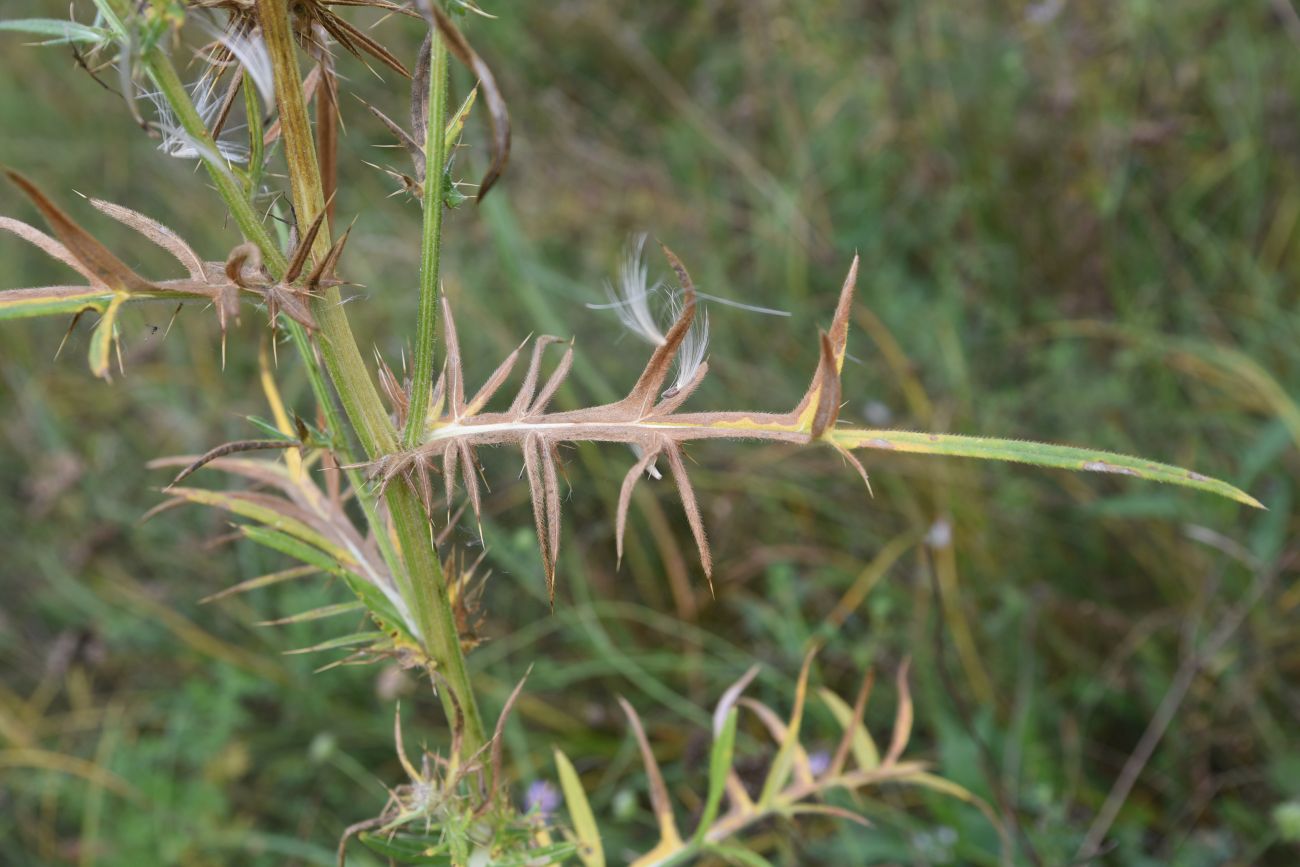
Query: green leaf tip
{"x": 1036, "y": 454}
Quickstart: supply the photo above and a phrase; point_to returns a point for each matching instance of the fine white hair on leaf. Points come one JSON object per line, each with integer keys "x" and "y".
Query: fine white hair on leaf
{"x": 250, "y": 51}
{"x": 694, "y": 347}
{"x": 629, "y": 298}
{"x": 176, "y": 142}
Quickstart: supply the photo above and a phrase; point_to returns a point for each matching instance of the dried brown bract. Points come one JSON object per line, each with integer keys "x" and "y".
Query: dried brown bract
{"x": 110, "y": 282}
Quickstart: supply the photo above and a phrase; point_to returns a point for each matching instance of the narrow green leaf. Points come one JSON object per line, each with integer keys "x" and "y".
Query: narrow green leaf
{"x": 269, "y": 428}
{"x": 286, "y": 544}
{"x": 954, "y": 790}
{"x": 407, "y": 849}
{"x": 52, "y": 301}
{"x": 864, "y": 748}
{"x": 1037, "y": 454}
{"x": 556, "y": 853}
{"x": 457, "y": 121}
{"x": 724, "y": 748}
{"x": 239, "y": 503}
{"x": 338, "y": 643}
{"x": 261, "y": 581}
{"x": 377, "y": 603}
{"x": 591, "y": 853}
{"x": 738, "y": 855}
{"x": 317, "y": 614}
{"x": 60, "y": 31}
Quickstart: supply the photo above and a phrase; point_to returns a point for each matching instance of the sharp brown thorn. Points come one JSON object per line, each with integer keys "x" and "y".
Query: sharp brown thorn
{"x": 828, "y": 396}
{"x": 633, "y": 476}
{"x": 537, "y": 492}
{"x": 553, "y": 382}
{"x": 692, "y": 508}
{"x": 524, "y": 397}
{"x": 303, "y": 248}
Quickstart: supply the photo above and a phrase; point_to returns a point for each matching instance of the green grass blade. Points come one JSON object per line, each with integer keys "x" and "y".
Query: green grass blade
{"x": 58, "y": 31}
{"x": 1037, "y": 454}
{"x": 242, "y": 504}
{"x": 325, "y": 611}
{"x": 286, "y": 544}
{"x": 724, "y": 747}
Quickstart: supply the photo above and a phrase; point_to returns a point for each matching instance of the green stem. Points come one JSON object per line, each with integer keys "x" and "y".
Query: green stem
{"x": 422, "y": 584}
{"x": 159, "y": 68}
{"x": 435, "y": 160}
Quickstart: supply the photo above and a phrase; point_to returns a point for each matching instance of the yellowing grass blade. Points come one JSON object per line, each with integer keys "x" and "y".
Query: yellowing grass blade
{"x": 785, "y": 755}
{"x": 591, "y": 853}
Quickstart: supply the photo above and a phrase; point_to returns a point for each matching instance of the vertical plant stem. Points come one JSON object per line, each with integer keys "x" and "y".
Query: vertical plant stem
{"x": 435, "y": 160}
{"x": 423, "y": 583}
{"x": 160, "y": 69}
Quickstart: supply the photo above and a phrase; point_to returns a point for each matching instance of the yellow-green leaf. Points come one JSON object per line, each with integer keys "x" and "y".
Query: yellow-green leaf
{"x": 591, "y": 853}
{"x": 1037, "y": 454}
{"x": 863, "y": 745}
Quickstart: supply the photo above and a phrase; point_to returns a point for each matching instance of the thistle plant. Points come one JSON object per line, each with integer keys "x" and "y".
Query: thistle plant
{"x": 387, "y": 441}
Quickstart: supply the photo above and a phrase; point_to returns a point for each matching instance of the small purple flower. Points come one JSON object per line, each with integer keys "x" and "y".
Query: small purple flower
{"x": 542, "y": 798}
{"x": 818, "y": 762}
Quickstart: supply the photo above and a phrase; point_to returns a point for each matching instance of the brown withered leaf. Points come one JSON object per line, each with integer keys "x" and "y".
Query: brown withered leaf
{"x": 111, "y": 283}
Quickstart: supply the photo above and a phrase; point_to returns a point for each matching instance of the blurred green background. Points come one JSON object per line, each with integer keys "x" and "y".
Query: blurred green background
{"x": 1078, "y": 223}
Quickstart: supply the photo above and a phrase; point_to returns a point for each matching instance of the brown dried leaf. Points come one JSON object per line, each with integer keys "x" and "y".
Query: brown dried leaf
{"x": 852, "y": 727}
{"x": 494, "y": 382}
{"x": 48, "y": 245}
{"x": 902, "y": 719}
{"x": 231, "y": 448}
{"x": 692, "y": 508}
{"x": 648, "y": 455}
{"x": 105, "y": 268}
{"x": 553, "y": 383}
{"x": 498, "y": 738}
{"x": 524, "y": 397}
{"x": 659, "y": 802}
{"x": 158, "y": 233}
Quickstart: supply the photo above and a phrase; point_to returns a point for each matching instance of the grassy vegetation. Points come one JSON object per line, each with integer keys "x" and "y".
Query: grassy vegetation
{"x": 1077, "y": 223}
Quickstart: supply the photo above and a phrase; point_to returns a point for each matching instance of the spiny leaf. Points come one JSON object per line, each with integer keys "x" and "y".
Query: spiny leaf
{"x": 648, "y": 420}
{"x": 106, "y": 268}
